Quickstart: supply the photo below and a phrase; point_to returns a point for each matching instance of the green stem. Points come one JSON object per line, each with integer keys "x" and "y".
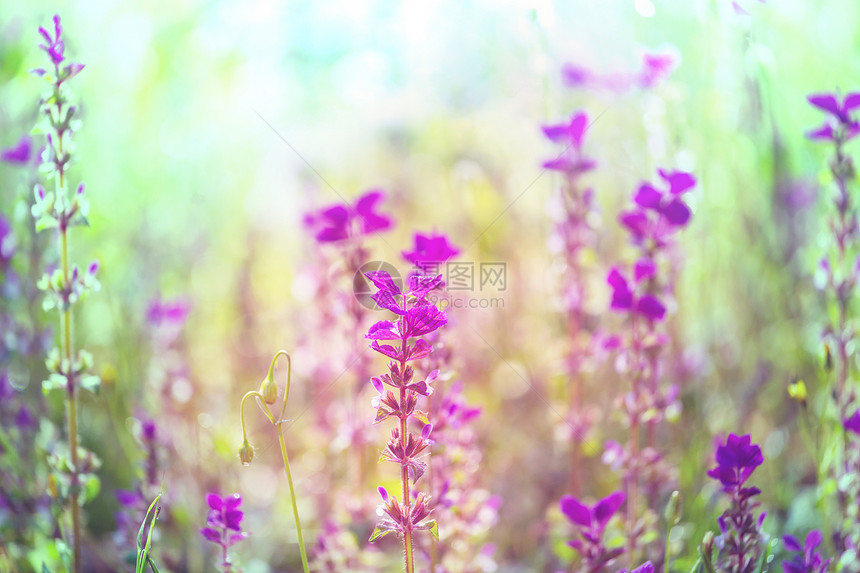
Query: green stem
{"x": 293, "y": 499}
{"x": 66, "y": 323}
{"x": 278, "y": 424}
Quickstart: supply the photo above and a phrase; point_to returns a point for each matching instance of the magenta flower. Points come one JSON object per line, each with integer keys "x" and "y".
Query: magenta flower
{"x": 7, "y": 242}
{"x": 168, "y": 312}
{"x": 852, "y": 423}
{"x": 808, "y": 560}
{"x": 590, "y": 522}
{"x": 741, "y": 537}
{"x": 659, "y": 212}
{"x": 646, "y": 567}
{"x": 737, "y": 459}
{"x": 569, "y": 134}
{"x": 224, "y": 524}
{"x": 343, "y": 221}
{"x": 839, "y": 123}
{"x": 416, "y": 317}
{"x": 430, "y": 250}
{"x": 657, "y": 67}
{"x": 55, "y": 47}
{"x": 20, "y": 153}
{"x": 625, "y": 298}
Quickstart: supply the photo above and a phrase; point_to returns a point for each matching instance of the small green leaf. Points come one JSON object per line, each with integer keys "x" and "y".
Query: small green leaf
{"x": 54, "y": 382}
{"x": 421, "y": 416}
{"x": 46, "y": 222}
{"x": 433, "y": 528}
{"x": 379, "y": 533}
{"x": 143, "y": 558}
{"x": 92, "y": 488}
{"x": 91, "y": 383}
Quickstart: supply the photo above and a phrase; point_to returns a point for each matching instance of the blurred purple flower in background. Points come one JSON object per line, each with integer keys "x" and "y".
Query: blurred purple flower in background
{"x": 590, "y": 523}
{"x": 839, "y": 123}
{"x": 20, "y": 153}
{"x": 659, "y": 211}
{"x": 808, "y": 559}
{"x": 624, "y": 297}
{"x": 343, "y": 221}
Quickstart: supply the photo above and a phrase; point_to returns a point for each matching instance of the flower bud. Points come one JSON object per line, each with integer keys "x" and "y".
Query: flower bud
{"x": 269, "y": 390}
{"x": 797, "y": 392}
{"x": 246, "y": 453}
{"x": 708, "y": 544}
{"x": 673, "y": 509}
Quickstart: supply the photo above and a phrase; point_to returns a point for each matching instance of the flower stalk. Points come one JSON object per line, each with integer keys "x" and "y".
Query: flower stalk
{"x": 417, "y": 317}
{"x": 59, "y": 210}
{"x": 266, "y": 396}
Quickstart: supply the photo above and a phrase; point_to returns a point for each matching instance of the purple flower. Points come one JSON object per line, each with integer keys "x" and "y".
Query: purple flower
{"x": 590, "y": 522}
{"x": 852, "y": 423}
{"x": 839, "y": 123}
{"x": 20, "y": 153}
{"x": 54, "y": 45}
{"x": 416, "y": 317}
{"x": 737, "y": 459}
{"x": 343, "y": 221}
{"x": 224, "y": 524}
{"x": 569, "y": 134}
{"x": 7, "y": 241}
{"x": 576, "y": 76}
{"x": 657, "y": 66}
{"x": 808, "y": 560}
{"x": 625, "y": 299}
{"x": 432, "y": 249}
{"x": 646, "y": 567}
{"x": 659, "y": 212}
{"x": 168, "y": 312}
{"x": 740, "y": 540}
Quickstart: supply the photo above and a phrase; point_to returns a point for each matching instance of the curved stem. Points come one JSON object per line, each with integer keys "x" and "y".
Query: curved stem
{"x": 278, "y": 423}
{"x": 263, "y": 406}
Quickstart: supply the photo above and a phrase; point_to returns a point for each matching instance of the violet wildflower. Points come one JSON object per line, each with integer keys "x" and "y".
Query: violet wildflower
{"x": 808, "y": 558}
{"x": 20, "y": 153}
{"x": 656, "y": 67}
{"x": 453, "y": 476}
{"x": 430, "y": 252}
{"x": 658, "y": 213}
{"x": 741, "y": 539}
{"x": 341, "y": 222}
{"x": 590, "y": 522}
{"x": 840, "y": 273}
{"x": 224, "y": 524}
{"x": 59, "y": 209}
{"x": 341, "y": 232}
{"x": 417, "y": 317}
{"x": 574, "y": 235}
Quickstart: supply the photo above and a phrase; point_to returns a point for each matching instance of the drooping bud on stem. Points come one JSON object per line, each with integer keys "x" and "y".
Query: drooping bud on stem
{"x": 246, "y": 453}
